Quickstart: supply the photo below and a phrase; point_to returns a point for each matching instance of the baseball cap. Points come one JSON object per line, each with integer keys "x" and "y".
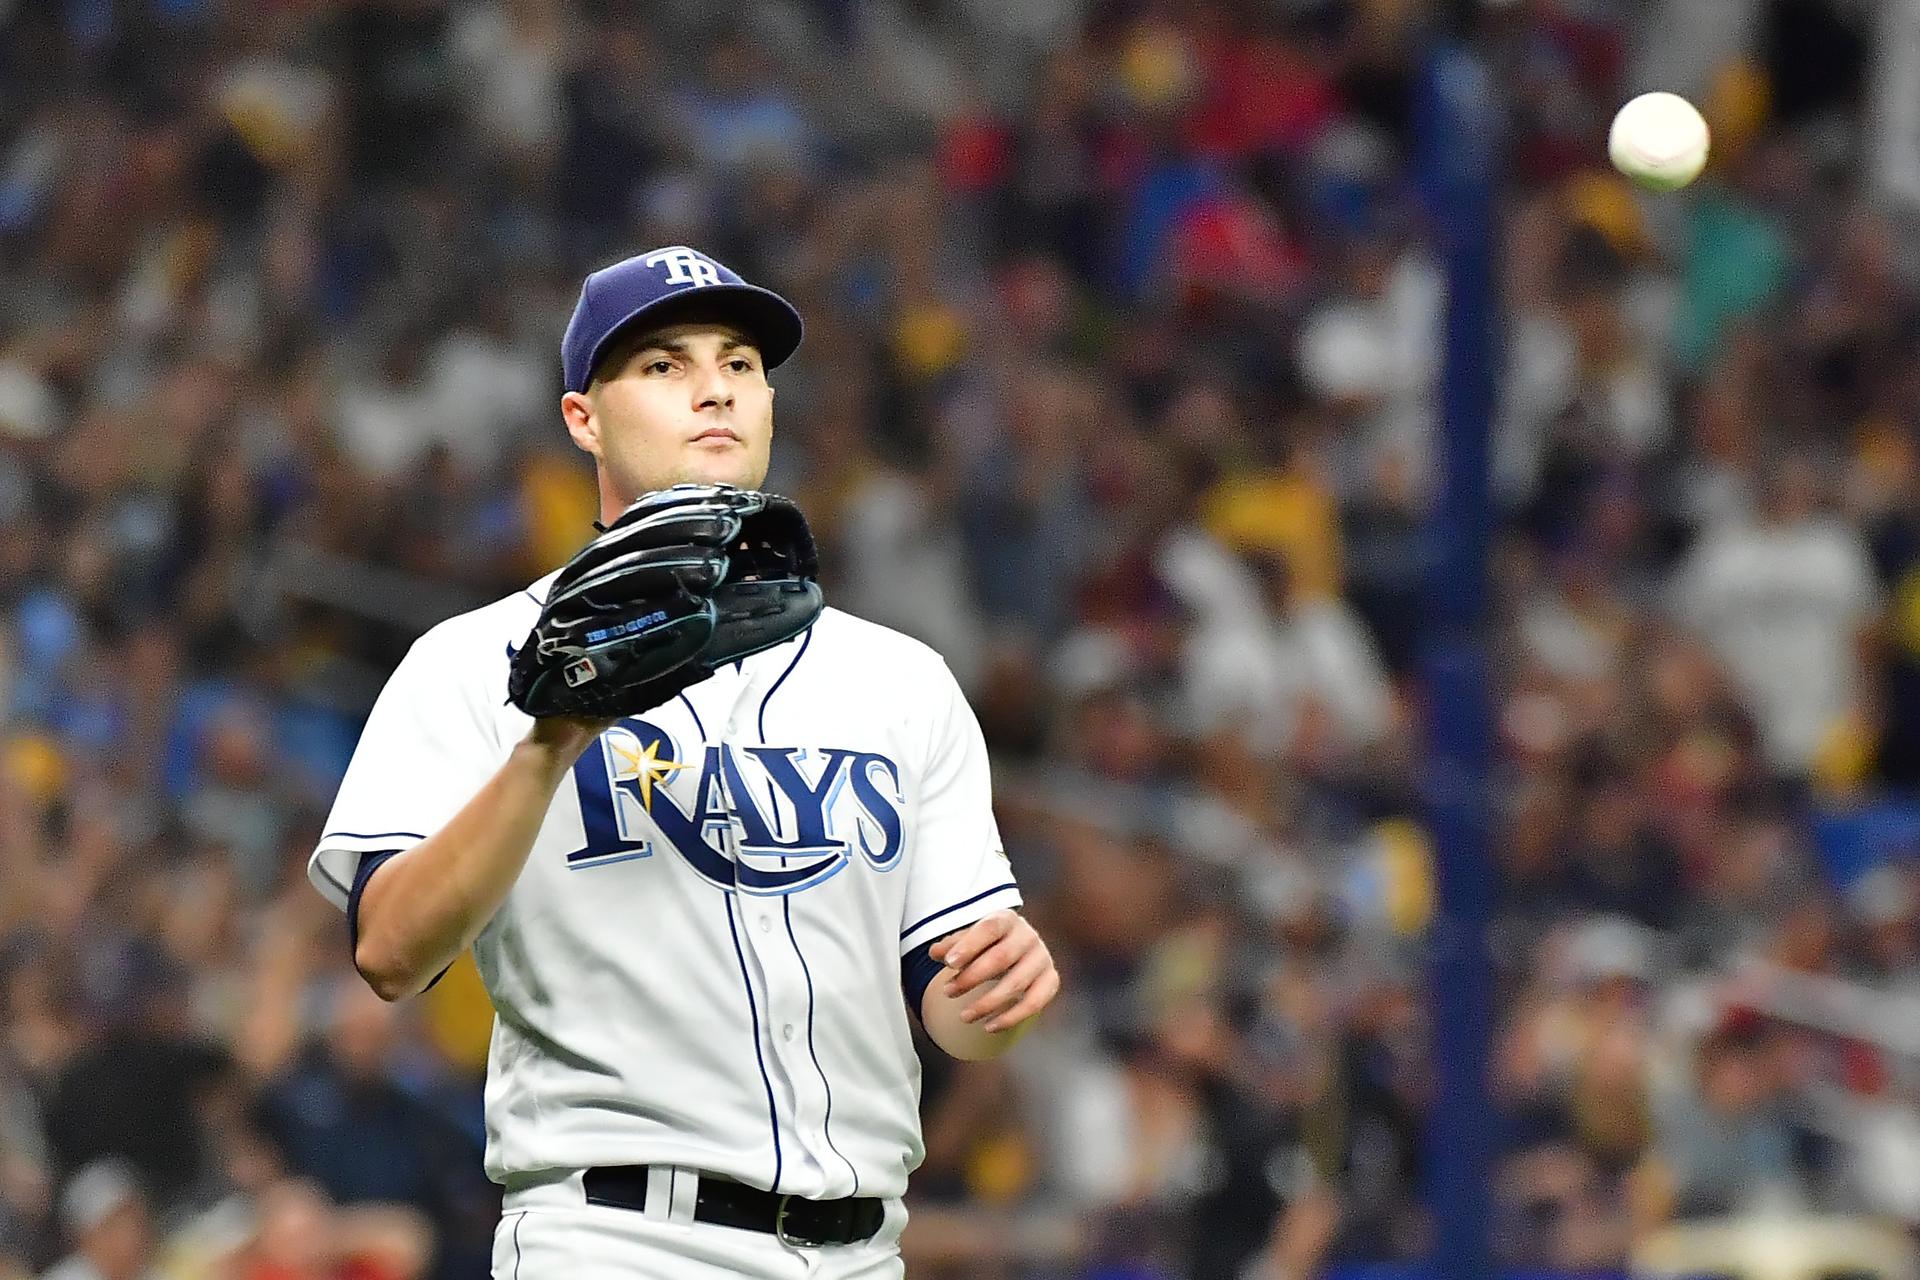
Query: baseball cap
{"x": 652, "y": 286}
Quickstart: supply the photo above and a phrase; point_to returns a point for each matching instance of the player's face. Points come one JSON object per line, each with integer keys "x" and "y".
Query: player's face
{"x": 690, "y": 404}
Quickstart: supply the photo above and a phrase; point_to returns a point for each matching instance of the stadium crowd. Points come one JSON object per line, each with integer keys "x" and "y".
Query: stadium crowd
{"x": 1118, "y": 389}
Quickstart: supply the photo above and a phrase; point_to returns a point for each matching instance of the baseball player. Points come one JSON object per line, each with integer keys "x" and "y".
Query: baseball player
{"x": 718, "y": 847}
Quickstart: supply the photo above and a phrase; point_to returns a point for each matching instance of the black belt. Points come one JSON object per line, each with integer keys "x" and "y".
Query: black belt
{"x": 726, "y": 1203}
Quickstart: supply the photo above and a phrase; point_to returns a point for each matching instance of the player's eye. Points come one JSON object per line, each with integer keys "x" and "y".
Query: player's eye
{"x": 659, "y": 366}
{"x": 739, "y": 364}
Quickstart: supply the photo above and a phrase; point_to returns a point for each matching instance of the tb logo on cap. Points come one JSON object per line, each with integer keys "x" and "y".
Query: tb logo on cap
{"x": 684, "y": 266}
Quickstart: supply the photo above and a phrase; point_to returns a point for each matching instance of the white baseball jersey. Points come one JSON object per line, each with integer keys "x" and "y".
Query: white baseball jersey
{"x": 701, "y": 964}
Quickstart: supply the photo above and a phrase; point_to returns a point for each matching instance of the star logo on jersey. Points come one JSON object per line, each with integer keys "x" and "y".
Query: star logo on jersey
{"x": 643, "y": 765}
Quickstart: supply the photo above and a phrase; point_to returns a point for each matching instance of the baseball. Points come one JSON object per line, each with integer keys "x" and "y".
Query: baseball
{"x": 1659, "y": 140}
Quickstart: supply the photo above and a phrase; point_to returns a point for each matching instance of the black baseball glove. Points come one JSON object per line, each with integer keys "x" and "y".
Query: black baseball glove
{"x": 686, "y": 579}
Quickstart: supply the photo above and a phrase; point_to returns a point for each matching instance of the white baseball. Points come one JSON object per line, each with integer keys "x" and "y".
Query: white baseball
{"x": 1659, "y": 140}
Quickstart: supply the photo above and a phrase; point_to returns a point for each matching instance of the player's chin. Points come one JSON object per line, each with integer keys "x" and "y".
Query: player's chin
{"x": 723, "y": 462}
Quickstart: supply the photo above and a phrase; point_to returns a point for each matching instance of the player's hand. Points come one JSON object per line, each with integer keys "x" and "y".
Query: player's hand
{"x": 1004, "y": 954}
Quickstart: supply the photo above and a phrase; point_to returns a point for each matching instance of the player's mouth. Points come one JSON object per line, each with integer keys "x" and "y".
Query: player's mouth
{"x": 717, "y": 435}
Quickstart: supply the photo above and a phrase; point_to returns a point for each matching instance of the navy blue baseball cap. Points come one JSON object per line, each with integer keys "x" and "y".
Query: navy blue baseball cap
{"x": 652, "y": 287}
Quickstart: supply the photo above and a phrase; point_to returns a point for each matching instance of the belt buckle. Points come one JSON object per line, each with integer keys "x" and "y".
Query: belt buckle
{"x": 780, "y": 1226}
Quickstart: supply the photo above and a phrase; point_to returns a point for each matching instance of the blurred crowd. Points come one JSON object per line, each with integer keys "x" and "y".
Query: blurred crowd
{"x": 1124, "y": 325}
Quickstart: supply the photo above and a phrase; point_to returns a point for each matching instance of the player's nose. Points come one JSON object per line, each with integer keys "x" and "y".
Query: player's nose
{"x": 711, "y": 391}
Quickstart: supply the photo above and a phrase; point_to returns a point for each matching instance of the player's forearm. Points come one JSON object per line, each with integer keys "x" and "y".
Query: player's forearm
{"x": 968, "y": 1041}
{"x": 996, "y": 976}
{"x": 426, "y": 906}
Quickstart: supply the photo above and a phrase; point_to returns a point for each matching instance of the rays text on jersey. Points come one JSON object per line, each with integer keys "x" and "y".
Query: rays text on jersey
{"x": 762, "y": 820}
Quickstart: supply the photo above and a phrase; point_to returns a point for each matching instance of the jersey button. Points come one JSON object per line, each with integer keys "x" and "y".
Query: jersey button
{"x": 786, "y": 1032}
{"x": 766, "y": 924}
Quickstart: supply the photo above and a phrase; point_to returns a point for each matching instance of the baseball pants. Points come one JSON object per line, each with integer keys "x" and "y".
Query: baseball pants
{"x": 550, "y": 1232}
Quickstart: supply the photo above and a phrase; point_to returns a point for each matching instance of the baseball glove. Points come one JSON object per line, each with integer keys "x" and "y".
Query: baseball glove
{"x": 686, "y": 579}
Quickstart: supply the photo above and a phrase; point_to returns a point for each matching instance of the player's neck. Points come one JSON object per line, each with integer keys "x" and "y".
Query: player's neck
{"x": 611, "y": 501}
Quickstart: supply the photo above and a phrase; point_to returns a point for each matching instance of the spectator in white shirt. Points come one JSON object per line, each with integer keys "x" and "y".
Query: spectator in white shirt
{"x": 1785, "y": 603}
{"x": 1294, "y": 665}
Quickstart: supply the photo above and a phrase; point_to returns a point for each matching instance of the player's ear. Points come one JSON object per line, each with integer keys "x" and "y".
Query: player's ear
{"x": 583, "y": 423}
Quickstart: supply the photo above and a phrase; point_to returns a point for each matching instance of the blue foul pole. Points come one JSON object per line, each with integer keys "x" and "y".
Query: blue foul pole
{"x": 1459, "y": 133}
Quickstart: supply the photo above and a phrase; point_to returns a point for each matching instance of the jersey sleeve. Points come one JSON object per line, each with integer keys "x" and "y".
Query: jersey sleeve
{"x": 957, "y": 868}
{"x": 427, "y": 747}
